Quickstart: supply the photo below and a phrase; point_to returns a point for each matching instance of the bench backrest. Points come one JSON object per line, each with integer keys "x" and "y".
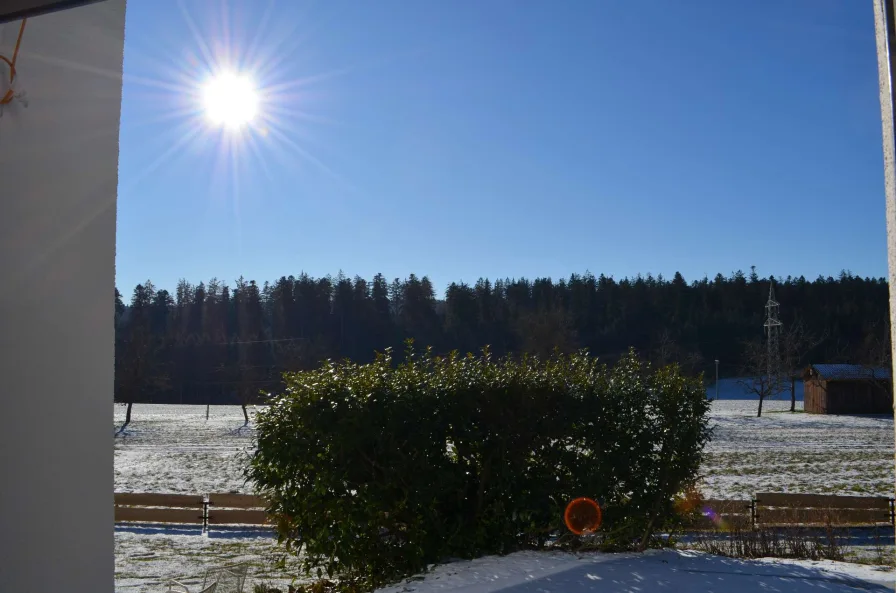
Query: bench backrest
{"x": 723, "y": 514}
{"x": 236, "y": 509}
{"x": 159, "y": 508}
{"x": 777, "y": 509}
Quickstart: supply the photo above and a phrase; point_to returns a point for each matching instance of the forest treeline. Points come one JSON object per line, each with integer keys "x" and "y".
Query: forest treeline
{"x": 217, "y": 343}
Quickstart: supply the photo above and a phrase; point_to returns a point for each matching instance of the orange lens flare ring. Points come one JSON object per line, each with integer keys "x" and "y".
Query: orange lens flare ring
{"x": 582, "y": 516}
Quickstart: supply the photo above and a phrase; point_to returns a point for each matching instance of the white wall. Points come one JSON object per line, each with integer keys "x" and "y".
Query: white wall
{"x": 58, "y": 185}
{"x": 888, "y": 126}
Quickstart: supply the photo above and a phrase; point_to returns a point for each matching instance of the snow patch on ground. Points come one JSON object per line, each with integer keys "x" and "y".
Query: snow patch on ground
{"x": 146, "y": 559}
{"x": 530, "y": 572}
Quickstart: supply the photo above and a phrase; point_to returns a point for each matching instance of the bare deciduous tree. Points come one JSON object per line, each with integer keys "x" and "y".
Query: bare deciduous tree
{"x": 542, "y": 333}
{"x": 756, "y": 378}
{"x": 139, "y": 372}
{"x": 878, "y": 345}
{"x": 293, "y": 355}
{"x": 666, "y": 350}
{"x": 877, "y": 355}
{"x": 693, "y": 363}
{"x": 251, "y": 379}
{"x": 796, "y": 342}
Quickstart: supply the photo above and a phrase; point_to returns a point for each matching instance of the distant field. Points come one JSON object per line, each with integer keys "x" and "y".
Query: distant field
{"x": 784, "y": 452}
{"x": 174, "y": 449}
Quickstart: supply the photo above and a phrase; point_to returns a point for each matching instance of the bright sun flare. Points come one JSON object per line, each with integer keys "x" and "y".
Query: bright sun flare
{"x": 230, "y": 100}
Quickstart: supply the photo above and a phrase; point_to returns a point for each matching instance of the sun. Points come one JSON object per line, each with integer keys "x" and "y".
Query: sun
{"x": 230, "y": 100}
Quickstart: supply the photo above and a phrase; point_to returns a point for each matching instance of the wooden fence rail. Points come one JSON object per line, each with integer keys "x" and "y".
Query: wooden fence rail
{"x": 765, "y": 509}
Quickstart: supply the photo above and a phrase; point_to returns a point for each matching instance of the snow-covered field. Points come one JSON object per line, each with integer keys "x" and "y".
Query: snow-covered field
{"x": 175, "y": 449}
{"x": 796, "y": 452}
{"x": 146, "y": 559}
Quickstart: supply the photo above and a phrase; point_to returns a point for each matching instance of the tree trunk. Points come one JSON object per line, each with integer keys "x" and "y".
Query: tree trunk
{"x": 793, "y": 394}
{"x": 759, "y": 414}
{"x": 245, "y": 415}
{"x": 127, "y": 416}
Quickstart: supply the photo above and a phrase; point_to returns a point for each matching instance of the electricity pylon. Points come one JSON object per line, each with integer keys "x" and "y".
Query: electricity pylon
{"x": 772, "y": 329}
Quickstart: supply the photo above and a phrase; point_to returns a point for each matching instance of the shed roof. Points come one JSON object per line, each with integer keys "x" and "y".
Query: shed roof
{"x": 845, "y": 372}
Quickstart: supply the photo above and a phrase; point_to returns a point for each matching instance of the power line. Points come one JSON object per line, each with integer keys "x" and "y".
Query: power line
{"x": 239, "y": 342}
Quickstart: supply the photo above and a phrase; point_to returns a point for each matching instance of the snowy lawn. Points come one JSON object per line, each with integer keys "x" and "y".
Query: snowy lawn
{"x": 796, "y": 452}
{"x": 145, "y": 559}
{"x": 174, "y": 449}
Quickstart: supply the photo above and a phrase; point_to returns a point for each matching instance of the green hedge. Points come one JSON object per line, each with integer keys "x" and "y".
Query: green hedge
{"x": 376, "y": 471}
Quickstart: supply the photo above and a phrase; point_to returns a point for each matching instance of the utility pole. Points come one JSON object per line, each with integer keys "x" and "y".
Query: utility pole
{"x": 717, "y": 378}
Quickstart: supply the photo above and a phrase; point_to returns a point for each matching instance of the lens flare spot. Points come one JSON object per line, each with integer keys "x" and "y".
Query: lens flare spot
{"x": 582, "y": 516}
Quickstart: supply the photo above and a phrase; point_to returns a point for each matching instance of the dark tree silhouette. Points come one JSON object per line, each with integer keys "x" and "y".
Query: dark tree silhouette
{"x": 211, "y": 343}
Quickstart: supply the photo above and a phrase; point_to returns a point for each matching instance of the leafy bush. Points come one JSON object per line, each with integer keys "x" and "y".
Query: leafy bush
{"x": 376, "y": 471}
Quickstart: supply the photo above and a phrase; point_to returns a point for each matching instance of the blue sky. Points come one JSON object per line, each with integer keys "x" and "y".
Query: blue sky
{"x": 503, "y": 139}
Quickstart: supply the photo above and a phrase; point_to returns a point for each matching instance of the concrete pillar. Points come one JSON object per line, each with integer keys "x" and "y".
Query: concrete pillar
{"x": 58, "y": 188}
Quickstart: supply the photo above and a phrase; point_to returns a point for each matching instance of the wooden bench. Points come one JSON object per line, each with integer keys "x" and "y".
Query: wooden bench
{"x": 159, "y": 508}
{"x": 785, "y": 510}
{"x": 236, "y": 509}
{"x": 723, "y": 515}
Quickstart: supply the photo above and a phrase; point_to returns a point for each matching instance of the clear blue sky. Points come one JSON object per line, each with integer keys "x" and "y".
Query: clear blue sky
{"x": 503, "y": 139}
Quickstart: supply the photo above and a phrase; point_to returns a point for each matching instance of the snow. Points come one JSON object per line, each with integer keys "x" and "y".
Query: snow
{"x": 531, "y": 572}
{"x": 796, "y": 452}
{"x": 146, "y": 558}
{"x": 175, "y": 449}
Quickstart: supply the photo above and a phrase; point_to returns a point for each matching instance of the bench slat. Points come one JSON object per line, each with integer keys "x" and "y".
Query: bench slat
{"x": 138, "y": 499}
{"x": 237, "y": 517}
{"x": 835, "y": 517}
{"x": 156, "y": 515}
{"x": 237, "y": 501}
{"x": 704, "y": 523}
{"x": 727, "y": 506}
{"x": 823, "y": 501}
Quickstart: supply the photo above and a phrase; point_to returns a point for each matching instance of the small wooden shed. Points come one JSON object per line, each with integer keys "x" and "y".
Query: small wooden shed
{"x": 847, "y": 389}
